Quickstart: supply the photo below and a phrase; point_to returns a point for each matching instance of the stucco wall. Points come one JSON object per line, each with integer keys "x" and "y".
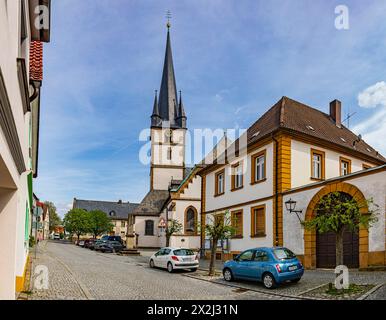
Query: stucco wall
{"x": 13, "y": 252}
{"x": 301, "y": 163}
{"x": 372, "y": 186}
{"x": 248, "y": 192}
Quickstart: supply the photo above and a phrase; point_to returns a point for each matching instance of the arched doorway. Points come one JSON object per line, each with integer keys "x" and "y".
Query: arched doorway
{"x": 312, "y": 240}
{"x": 326, "y": 245}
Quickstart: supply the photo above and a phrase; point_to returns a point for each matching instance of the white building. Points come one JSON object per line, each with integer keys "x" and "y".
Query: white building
{"x": 20, "y": 79}
{"x": 295, "y": 151}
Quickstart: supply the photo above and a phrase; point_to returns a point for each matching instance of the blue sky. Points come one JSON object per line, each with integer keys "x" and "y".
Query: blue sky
{"x": 233, "y": 60}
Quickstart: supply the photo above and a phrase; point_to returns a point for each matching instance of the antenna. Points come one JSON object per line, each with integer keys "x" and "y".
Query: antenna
{"x": 349, "y": 116}
{"x": 168, "y": 16}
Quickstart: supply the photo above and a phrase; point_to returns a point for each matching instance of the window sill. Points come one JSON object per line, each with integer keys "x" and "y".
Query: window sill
{"x": 258, "y": 181}
{"x": 235, "y": 189}
{"x": 317, "y": 179}
{"x": 219, "y": 194}
{"x": 259, "y": 236}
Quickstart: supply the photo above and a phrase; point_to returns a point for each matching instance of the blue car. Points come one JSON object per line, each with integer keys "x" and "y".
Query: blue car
{"x": 271, "y": 266}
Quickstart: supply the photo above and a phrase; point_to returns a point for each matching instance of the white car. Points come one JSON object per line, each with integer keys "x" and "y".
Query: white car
{"x": 175, "y": 258}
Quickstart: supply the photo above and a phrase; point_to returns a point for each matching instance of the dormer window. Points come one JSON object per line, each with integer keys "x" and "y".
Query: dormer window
{"x": 112, "y": 213}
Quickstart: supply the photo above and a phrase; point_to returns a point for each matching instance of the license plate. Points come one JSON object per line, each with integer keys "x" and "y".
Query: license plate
{"x": 187, "y": 259}
{"x": 292, "y": 268}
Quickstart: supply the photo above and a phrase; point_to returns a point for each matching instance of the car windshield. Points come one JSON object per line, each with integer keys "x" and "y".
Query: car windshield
{"x": 115, "y": 243}
{"x": 283, "y": 254}
{"x": 184, "y": 252}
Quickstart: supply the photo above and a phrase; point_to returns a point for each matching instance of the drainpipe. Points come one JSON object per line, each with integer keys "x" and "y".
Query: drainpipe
{"x": 276, "y": 191}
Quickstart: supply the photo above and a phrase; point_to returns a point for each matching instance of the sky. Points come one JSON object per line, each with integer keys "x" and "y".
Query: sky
{"x": 233, "y": 60}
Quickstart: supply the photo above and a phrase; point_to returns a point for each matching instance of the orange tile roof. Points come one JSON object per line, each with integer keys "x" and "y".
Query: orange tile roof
{"x": 36, "y": 61}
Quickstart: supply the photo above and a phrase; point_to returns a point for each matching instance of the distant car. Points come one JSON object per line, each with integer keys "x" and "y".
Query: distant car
{"x": 175, "y": 258}
{"x": 80, "y": 243}
{"x": 108, "y": 246}
{"x": 271, "y": 266}
{"x": 93, "y": 245}
{"x": 56, "y": 236}
{"x": 112, "y": 238}
{"x": 88, "y": 242}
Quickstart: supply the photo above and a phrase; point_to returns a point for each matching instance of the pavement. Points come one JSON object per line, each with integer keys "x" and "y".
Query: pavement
{"x": 310, "y": 280}
{"x": 81, "y": 274}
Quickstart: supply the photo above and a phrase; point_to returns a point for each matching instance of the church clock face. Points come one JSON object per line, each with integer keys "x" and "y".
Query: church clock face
{"x": 169, "y": 132}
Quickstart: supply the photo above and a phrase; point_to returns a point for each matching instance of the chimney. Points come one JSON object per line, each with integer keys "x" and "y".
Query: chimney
{"x": 336, "y": 112}
{"x": 120, "y": 201}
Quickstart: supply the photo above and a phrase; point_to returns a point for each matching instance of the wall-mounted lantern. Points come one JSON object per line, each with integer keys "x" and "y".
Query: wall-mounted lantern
{"x": 291, "y": 206}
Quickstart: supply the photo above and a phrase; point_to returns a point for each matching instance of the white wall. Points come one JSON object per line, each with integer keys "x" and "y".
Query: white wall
{"x": 154, "y": 241}
{"x": 301, "y": 163}
{"x": 372, "y": 186}
{"x": 13, "y": 209}
{"x": 248, "y": 192}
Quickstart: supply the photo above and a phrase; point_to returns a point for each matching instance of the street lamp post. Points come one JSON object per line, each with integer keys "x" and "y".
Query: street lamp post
{"x": 290, "y": 206}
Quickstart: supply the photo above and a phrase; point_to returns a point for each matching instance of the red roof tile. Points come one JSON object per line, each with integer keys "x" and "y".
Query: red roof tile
{"x": 36, "y": 61}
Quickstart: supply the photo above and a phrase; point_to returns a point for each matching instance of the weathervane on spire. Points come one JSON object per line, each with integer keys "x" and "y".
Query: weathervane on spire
{"x": 168, "y": 16}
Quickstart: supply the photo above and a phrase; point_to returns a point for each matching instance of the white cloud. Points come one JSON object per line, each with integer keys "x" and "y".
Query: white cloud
{"x": 373, "y": 96}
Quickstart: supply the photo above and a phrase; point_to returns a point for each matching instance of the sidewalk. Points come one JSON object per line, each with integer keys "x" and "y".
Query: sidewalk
{"x": 204, "y": 264}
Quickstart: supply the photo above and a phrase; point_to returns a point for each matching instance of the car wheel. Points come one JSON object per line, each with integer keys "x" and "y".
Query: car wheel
{"x": 151, "y": 263}
{"x": 269, "y": 281}
{"x": 170, "y": 267}
{"x": 193, "y": 269}
{"x": 228, "y": 275}
{"x": 295, "y": 280}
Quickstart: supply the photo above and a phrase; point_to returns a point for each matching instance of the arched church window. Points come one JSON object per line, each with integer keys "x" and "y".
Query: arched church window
{"x": 190, "y": 220}
{"x": 169, "y": 154}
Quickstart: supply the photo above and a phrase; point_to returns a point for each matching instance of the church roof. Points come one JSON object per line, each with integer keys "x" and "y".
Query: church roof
{"x": 115, "y": 210}
{"x": 152, "y": 203}
{"x": 167, "y": 107}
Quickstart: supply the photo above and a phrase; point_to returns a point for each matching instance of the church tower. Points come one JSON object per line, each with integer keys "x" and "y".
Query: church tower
{"x": 168, "y": 129}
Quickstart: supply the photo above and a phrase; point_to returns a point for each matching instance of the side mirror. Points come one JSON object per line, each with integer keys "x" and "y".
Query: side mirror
{"x": 236, "y": 258}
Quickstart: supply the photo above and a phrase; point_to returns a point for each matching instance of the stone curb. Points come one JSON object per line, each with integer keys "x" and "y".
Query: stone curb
{"x": 254, "y": 290}
{"x": 366, "y": 294}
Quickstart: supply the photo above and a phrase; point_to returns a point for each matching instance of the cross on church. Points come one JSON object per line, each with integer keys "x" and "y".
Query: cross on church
{"x": 168, "y": 16}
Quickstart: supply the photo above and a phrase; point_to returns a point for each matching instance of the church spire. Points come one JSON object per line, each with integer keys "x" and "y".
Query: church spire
{"x": 166, "y": 109}
{"x": 155, "y": 117}
{"x": 181, "y": 116}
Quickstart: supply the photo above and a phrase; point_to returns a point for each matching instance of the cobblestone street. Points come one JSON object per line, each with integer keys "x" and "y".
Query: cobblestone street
{"x": 77, "y": 273}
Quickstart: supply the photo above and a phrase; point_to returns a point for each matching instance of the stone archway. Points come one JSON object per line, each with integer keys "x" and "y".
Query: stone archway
{"x": 310, "y": 235}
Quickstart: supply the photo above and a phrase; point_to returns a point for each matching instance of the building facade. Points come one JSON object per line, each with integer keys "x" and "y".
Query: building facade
{"x": 20, "y": 79}
{"x": 290, "y": 148}
{"x": 118, "y": 212}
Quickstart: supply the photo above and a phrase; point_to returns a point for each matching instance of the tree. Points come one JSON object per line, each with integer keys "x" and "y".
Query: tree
{"x": 217, "y": 227}
{"x": 99, "y": 223}
{"x": 173, "y": 227}
{"x": 77, "y": 221}
{"x": 53, "y": 215}
{"x": 337, "y": 212}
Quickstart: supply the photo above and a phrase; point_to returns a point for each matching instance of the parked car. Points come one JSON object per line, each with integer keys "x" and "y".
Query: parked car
{"x": 56, "y": 236}
{"x": 88, "y": 242}
{"x": 175, "y": 258}
{"x": 95, "y": 243}
{"x": 112, "y": 238}
{"x": 271, "y": 266}
{"x": 108, "y": 246}
{"x": 81, "y": 243}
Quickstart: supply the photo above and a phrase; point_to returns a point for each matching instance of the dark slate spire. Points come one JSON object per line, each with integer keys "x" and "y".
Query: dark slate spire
{"x": 155, "y": 117}
{"x": 181, "y": 116}
{"x": 167, "y": 108}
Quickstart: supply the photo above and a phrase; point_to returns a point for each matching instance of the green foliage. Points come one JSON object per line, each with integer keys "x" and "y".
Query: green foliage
{"x": 337, "y": 210}
{"x": 31, "y": 241}
{"x": 54, "y": 217}
{"x": 173, "y": 227}
{"x": 219, "y": 226}
{"x": 99, "y": 223}
{"x": 76, "y": 221}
